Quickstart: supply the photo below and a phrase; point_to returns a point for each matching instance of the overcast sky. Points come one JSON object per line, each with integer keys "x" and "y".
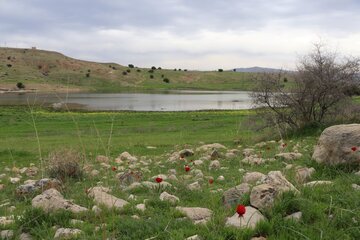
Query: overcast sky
{"x": 193, "y": 34}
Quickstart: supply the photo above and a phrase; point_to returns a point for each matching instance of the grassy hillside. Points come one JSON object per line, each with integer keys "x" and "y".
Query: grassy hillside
{"x": 45, "y": 70}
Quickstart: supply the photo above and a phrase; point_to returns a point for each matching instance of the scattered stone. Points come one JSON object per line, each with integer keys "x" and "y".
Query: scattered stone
{"x": 289, "y": 156}
{"x": 52, "y": 200}
{"x": 279, "y": 182}
{"x": 6, "y": 221}
{"x": 195, "y": 237}
{"x": 214, "y": 164}
{"x": 172, "y": 177}
{"x": 214, "y": 155}
{"x": 304, "y": 174}
{"x": 295, "y": 216}
{"x": 263, "y": 196}
{"x": 209, "y": 147}
{"x": 96, "y": 210}
{"x": 131, "y": 197}
{"x": 6, "y": 234}
{"x": 2, "y": 186}
{"x": 248, "y": 151}
{"x": 101, "y": 196}
{"x": 125, "y": 156}
{"x": 253, "y": 177}
{"x": 102, "y": 159}
{"x": 129, "y": 177}
{"x": 164, "y": 196}
{"x": 194, "y": 186}
{"x": 67, "y": 233}
{"x": 230, "y": 155}
{"x": 253, "y": 160}
{"x": 172, "y": 171}
{"x": 140, "y": 207}
{"x": 258, "y": 238}
{"x": 249, "y": 220}
{"x": 186, "y": 153}
{"x": 221, "y": 178}
{"x": 25, "y": 236}
{"x": 105, "y": 165}
{"x": 76, "y": 221}
{"x": 355, "y": 187}
{"x": 31, "y": 171}
{"x": 335, "y": 145}
{"x": 198, "y": 162}
{"x": 3, "y": 175}
{"x": 41, "y": 185}
{"x": 234, "y": 195}
{"x": 135, "y": 217}
{"x": 316, "y": 183}
{"x": 154, "y": 186}
{"x": 14, "y": 180}
{"x": 357, "y": 173}
{"x": 196, "y": 214}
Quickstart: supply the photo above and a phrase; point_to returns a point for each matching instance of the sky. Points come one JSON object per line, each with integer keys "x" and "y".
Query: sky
{"x": 191, "y": 34}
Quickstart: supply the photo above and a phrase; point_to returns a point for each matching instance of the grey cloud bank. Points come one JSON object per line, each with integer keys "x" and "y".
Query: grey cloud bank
{"x": 195, "y": 34}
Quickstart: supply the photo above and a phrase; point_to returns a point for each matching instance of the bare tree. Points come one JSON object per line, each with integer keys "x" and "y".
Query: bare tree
{"x": 321, "y": 82}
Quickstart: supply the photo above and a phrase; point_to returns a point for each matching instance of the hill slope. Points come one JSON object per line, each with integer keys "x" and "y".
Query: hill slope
{"x": 46, "y": 70}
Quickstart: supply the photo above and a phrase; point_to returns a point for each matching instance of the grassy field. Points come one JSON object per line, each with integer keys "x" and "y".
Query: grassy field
{"x": 329, "y": 212}
{"x": 50, "y": 71}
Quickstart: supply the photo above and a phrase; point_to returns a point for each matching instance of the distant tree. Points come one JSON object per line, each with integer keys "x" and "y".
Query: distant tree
{"x": 185, "y": 70}
{"x": 175, "y": 69}
{"x": 166, "y": 80}
{"x": 87, "y": 75}
{"x": 153, "y": 68}
{"x": 20, "y": 85}
{"x": 89, "y": 70}
{"x": 9, "y": 65}
{"x": 128, "y": 70}
{"x": 159, "y": 68}
{"x": 179, "y": 69}
{"x": 220, "y": 70}
{"x": 151, "y": 76}
{"x": 234, "y": 69}
{"x": 138, "y": 70}
{"x": 131, "y": 65}
{"x": 285, "y": 80}
{"x": 124, "y": 73}
{"x": 151, "y": 71}
{"x": 162, "y": 75}
{"x": 319, "y": 92}
{"x": 114, "y": 68}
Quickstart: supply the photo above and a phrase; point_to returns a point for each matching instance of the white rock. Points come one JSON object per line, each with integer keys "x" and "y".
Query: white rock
{"x": 140, "y": 207}
{"x": 214, "y": 164}
{"x": 102, "y": 159}
{"x": 100, "y": 196}
{"x": 249, "y": 220}
{"x": 263, "y": 196}
{"x": 67, "y": 233}
{"x": 14, "y": 180}
{"x": 304, "y": 174}
{"x": 196, "y": 214}
{"x": 198, "y": 162}
{"x": 125, "y": 156}
{"x": 6, "y": 221}
{"x": 248, "y": 151}
{"x": 194, "y": 186}
{"x": 25, "y": 236}
{"x": 6, "y": 234}
{"x": 277, "y": 180}
{"x": 289, "y": 156}
{"x": 221, "y": 178}
{"x": 252, "y": 177}
{"x": 355, "y": 187}
{"x": 194, "y": 237}
{"x": 52, "y": 200}
{"x": 208, "y": 147}
{"x": 94, "y": 173}
{"x": 317, "y": 183}
{"x": 295, "y": 216}
{"x": 76, "y": 221}
{"x": 96, "y": 210}
{"x": 164, "y": 196}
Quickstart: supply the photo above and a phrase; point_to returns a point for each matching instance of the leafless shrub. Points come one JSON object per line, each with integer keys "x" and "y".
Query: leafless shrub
{"x": 64, "y": 163}
{"x": 318, "y": 87}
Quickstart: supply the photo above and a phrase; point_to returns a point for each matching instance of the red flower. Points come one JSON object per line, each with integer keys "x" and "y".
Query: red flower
{"x": 113, "y": 168}
{"x": 211, "y": 181}
{"x": 354, "y": 149}
{"x": 158, "y": 179}
{"x": 284, "y": 145}
{"x": 187, "y": 168}
{"x": 240, "y": 209}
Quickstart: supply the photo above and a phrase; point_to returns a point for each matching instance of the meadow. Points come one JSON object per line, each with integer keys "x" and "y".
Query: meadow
{"x": 28, "y": 133}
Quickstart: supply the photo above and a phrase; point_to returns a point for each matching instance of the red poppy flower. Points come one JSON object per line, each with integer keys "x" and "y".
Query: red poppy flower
{"x": 354, "y": 149}
{"x": 187, "y": 168}
{"x": 284, "y": 145}
{"x": 113, "y": 168}
{"x": 240, "y": 209}
{"x": 211, "y": 181}
{"x": 158, "y": 179}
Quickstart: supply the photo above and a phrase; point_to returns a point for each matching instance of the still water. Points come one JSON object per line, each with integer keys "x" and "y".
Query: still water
{"x": 164, "y": 101}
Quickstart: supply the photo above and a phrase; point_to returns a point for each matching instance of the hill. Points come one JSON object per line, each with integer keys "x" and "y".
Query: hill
{"x": 52, "y": 71}
{"x": 257, "y": 70}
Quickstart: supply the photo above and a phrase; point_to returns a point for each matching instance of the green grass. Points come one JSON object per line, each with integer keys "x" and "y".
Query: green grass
{"x": 330, "y": 212}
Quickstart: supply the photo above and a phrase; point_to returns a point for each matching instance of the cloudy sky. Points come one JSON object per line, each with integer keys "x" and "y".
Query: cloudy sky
{"x": 193, "y": 34}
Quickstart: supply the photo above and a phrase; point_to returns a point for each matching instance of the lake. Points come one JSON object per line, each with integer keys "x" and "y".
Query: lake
{"x": 183, "y": 100}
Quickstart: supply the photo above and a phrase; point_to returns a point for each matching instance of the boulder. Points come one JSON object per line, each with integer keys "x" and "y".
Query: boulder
{"x": 7, "y": 234}
{"x": 253, "y": 160}
{"x": 194, "y": 186}
{"x": 234, "y": 195}
{"x": 102, "y": 159}
{"x": 214, "y": 155}
{"x": 194, "y": 237}
{"x": 67, "y": 233}
{"x": 248, "y": 151}
{"x": 249, "y": 220}
{"x": 278, "y": 181}
{"x": 164, "y": 196}
{"x": 6, "y": 221}
{"x": 295, "y": 216}
{"x": 196, "y": 214}
{"x": 338, "y": 144}
{"x": 52, "y": 200}
{"x": 102, "y": 197}
{"x": 25, "y": 236}
{"x": 40, "y": 185}
{"x": 355, "y": 187}
{"x": 263, "y": 196}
